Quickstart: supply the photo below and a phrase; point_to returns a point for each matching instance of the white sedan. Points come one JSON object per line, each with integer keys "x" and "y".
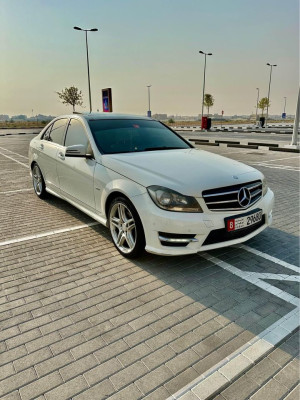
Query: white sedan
{"x": 148, "y": 185}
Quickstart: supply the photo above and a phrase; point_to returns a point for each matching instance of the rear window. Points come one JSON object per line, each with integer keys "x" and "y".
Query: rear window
{"x": 126, "y": 136}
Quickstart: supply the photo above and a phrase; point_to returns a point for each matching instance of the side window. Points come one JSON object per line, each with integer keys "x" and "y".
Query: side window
{"x": 47, "y": 133}
{"x": 76, "y": 134}
{"x": 58, "y": 131}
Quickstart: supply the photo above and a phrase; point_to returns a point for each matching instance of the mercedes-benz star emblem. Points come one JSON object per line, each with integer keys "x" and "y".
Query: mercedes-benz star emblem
{"x": 244, "y": 197}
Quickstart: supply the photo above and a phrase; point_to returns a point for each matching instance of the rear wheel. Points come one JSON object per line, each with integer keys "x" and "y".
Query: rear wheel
{"x": 126, "y": 228}
{"x": 38, "y": 182}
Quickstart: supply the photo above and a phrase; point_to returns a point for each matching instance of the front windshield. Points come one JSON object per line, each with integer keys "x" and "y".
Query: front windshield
{"x": 133, "y": 135}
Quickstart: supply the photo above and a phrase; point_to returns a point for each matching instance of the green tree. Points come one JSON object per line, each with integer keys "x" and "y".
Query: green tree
{"x": 263, "y": 103}
{"x": 171, "y": 121}
{"x": 71, "y": 95}
{"x": 208, "y": 101}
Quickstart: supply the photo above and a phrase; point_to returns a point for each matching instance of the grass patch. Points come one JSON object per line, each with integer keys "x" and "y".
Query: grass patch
{"x": 22, "y": 124}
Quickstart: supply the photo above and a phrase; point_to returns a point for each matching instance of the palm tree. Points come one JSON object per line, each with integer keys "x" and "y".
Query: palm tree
{"x": 208, "y": 101}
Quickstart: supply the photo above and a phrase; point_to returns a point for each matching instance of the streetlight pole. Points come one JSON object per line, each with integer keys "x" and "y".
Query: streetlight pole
{"x": 149, "y": 109}
{"x": 87, "y": 58}
{"x": 257, "y": 104}
{"x": 296, "y": 123}
{"x": 270, "y": 65}
{"x": 284, "y": 105}
{"x": 205, "y": 54}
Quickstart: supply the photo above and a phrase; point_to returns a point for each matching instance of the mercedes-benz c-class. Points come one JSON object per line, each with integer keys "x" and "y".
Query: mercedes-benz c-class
{"x": 148, "y": 185}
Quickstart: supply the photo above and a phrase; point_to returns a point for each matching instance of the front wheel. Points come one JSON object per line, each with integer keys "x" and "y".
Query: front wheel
{"x": 38, "y": 182}
{"x": 126, "y": 228}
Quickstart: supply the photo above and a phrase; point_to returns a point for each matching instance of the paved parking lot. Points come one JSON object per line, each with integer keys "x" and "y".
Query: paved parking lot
{"x": 79, "y": 321}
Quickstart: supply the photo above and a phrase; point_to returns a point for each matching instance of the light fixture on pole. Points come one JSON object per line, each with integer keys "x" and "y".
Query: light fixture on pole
{"x": 205, "y": 54}
{"x": 270, "y": 65}
{"x": 87, "y": 58}
{"x": 149, "y": 109}
{"x": 257, "y": 104}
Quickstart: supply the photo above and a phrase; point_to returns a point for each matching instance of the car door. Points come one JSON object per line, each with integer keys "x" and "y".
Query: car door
{"x": 76, "y": 174}
{"x": 51, "y": 143}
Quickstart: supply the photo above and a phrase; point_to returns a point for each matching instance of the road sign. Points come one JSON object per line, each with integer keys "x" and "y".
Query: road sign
{"x": 283, "y": 115}
{"x": 106, "y": 100}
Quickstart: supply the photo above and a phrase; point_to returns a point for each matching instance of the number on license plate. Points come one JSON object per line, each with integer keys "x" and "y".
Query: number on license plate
{"x": 234, "y": 224}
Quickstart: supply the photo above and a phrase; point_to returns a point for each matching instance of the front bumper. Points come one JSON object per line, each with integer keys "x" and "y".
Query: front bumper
{"x": 156, "y": 220}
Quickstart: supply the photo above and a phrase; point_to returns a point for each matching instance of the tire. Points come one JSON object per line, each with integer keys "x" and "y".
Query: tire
{"x": 126, "y": 228}
{"x": 38, "y": 182}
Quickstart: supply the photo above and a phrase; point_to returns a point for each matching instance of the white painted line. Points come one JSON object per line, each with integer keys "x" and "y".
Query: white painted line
{"x": 19, "y": 162}
{"x": 13, "y": 152}
{"x": 50, "y": 233}
{"x": 230, "y": 368}
{"x": 235, "y": 152}
{"x": 236, "y": 364}
{"x": 280, "y": 277}
{"x": 16, "y": 191}
{"x": 288, "y": 168}
{"x": 254, "y": 278}
{"x": 270, "y": 258}
{"x": 266, "y": 163}
{"x": 279, "y": 159}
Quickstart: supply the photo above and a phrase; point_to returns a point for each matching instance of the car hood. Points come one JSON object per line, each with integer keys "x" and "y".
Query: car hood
{"x": 188, "y": 171}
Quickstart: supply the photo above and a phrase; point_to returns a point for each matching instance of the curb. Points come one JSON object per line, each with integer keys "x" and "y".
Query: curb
{"x": 227, "y": 371}
{"x": 271, "y": 130}
{"x": 249, "y": 145}
{"x": 244, "y": 146}
{"x": 227, "y": 142}
{"x": 284, "y": 149}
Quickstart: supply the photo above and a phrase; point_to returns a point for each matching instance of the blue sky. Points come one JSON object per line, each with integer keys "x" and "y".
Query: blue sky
{"x": 149, "y": 42}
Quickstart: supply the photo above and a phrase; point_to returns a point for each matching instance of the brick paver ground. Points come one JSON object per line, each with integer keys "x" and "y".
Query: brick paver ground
{"x": 273, "y": 378}
{"x": 79, "y": 321}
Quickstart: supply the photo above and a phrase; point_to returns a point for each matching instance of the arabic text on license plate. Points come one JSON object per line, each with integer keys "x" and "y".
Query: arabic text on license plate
{"x": 235, "y": 224}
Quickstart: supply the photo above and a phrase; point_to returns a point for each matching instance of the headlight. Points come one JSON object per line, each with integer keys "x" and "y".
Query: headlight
{"x": 264, "y": 186}
{"x": 170, "y": 200}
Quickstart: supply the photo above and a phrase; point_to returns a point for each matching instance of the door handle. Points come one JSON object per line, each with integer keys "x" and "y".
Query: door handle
{"x": 61, "y": 155}
{"x": 42, "y": 146}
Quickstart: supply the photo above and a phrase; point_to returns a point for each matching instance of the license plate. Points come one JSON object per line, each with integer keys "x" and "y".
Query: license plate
{"x": 234, "y": 224}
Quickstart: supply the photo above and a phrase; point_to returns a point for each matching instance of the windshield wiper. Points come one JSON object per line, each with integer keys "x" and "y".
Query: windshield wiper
{"x": 162, "y": 148}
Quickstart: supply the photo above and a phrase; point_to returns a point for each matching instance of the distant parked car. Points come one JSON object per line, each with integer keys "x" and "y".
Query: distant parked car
{"x": 148, "y": 185}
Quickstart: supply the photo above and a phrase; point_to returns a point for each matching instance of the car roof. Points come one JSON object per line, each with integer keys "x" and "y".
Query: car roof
{"x": 96, "y": 116}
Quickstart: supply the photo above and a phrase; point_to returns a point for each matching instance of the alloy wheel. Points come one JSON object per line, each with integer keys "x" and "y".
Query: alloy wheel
{"x": 37, "y": 180}
{"x": 123, "y": 228}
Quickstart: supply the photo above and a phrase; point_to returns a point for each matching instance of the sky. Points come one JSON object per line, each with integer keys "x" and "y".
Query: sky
{"x": 142, "y": 43}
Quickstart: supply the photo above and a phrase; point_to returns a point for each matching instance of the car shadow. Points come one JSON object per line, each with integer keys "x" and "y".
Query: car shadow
{"x": 235, "y": 309}
{"x": 215, "y": 311}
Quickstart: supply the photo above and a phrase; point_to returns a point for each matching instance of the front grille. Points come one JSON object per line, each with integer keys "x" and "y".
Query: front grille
{"x": 221, "y": 235}
{"x": 226, "y": 198}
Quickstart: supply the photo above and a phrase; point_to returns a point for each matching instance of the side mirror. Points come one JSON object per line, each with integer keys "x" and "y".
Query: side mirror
{"x": 77, "y": 150}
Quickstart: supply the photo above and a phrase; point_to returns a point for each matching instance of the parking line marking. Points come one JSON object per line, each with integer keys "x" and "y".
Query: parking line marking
{"x": 20, "y": 155}
{"x": 16, "y": 191}
{"x": 284, "y": 167}
{"x": 256, "y": 348}
{"x": 279, "y": 159}
{"x": 19, "y": 162}
{"x": 252, "y": 352}
{"x": 287, "y": 168}
{"x": 50, "y": 233}
{"x": 270, "y": 258}
{"x": 254, "y": 278}
{"x": 233, "y": 152}
{"x": 278, "y": 277}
